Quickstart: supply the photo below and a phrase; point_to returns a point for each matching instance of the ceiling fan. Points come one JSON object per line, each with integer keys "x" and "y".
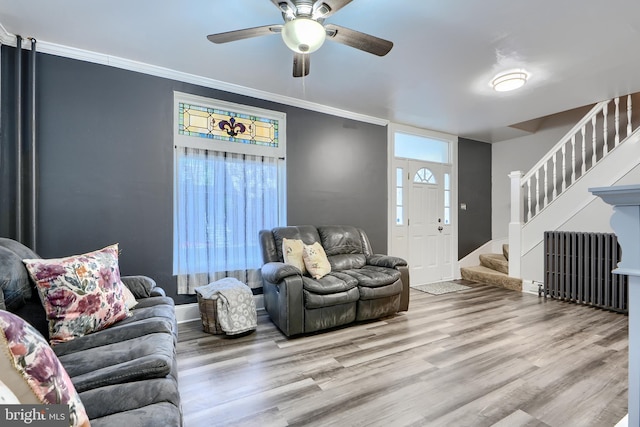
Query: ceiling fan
{"x": 304, "y": 31}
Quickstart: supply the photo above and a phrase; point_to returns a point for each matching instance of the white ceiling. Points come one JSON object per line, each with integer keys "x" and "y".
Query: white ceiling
{"x": 436, "y": 76}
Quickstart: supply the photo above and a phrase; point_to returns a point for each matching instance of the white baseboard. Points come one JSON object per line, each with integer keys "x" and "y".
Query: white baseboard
{"x": 190, "y": 312}
{"x": 530, "y": 286}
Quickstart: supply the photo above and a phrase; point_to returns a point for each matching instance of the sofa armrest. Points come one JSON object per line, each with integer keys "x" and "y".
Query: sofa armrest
{"x": 386, "y": 261}
{"x": 284, "y": 300}
{"x": 275, "y": 272}
{"x": 142, "y": 286}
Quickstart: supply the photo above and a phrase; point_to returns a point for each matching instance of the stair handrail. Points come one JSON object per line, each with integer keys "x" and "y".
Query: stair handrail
{"x": 597, "y": 109}
{"x": 519, "y": 217}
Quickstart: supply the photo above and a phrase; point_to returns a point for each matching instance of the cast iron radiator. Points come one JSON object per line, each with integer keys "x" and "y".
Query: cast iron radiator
{"x": 577, "y": 268}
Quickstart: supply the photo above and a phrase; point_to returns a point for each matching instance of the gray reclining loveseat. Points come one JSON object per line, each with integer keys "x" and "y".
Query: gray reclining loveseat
{"x": 126, "y": 375}
{"x": 360, "y": 286}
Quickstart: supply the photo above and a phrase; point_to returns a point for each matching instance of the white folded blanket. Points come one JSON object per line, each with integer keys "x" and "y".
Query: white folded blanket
{"x": 235, "y": 305}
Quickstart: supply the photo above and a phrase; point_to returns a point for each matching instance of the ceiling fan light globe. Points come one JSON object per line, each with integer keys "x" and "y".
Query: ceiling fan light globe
{"x": 303, "y": 35}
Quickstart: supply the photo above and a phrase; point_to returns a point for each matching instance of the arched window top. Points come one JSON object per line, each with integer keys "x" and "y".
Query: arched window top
{"x": 424, "y": 176}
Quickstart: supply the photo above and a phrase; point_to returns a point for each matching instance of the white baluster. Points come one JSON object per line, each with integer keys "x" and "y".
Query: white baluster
{"x": 528, "y": 199}
{"x": 555, "y": 175}
{"x": 605, "y": 131}
{"x": 537, "y": 191}
{"x": 546, "y": 184}
{"x": 629, "y": 115}
{"x": 573, "y": 158}
{"x": 594, "y": 120}
{"x": 584, "y": 150}
{"x": 616, "y": 101}
{"x": 564, "y": 167}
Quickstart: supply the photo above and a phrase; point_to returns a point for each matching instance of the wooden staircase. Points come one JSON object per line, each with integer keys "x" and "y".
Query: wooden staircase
{"x": 493, "y": 270}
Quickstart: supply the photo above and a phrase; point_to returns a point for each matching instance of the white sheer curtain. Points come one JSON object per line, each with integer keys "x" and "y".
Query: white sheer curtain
{"x": 222, "y": 200}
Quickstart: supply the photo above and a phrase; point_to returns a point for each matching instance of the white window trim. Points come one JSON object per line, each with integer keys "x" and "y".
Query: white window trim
{"x": 189, "y": 141}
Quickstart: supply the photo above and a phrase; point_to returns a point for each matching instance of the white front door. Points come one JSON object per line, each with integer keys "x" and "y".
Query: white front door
{"x": 423, "y": 232}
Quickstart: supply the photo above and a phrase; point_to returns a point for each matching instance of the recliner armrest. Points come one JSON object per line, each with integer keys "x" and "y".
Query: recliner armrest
{"x": 274, "y": 272}
{"x": 386, "y": 261}
{"x": 142, "y": 286}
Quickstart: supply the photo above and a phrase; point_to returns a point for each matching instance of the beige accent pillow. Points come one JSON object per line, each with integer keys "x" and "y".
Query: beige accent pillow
{"x": 315, "y": 259}
{"x": 129, "y": 299}
{"x": 292, "y": 253}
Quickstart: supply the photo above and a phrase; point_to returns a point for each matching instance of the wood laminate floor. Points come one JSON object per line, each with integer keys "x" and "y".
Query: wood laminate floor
{"x": 485, "y": 356}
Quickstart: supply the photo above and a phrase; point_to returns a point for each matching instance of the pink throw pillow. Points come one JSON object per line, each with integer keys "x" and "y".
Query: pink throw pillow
{"x": 32, "y": 371}
{"x": 81, "y": 294}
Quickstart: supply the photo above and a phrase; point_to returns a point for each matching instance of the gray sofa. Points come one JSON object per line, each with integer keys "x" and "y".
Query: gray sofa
{"x": 126, "y": 375}
{"x": 361, "y": 285}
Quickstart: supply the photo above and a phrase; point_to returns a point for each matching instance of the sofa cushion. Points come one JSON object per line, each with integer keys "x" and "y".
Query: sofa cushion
{"x": 340, "y": 239}
{"x": 343, "y": 245}
{"x": 330, "y": 284}
{"x": 313, "y": 300}
{"x": 140, "y": 286}
{"x": 119, "y": 332}
{"x": 347, "y": 261}
{"x": 30, "y": 368}
{"x": 148, "y": 356}
{"x": 315, "y": 260}
{"x": 307, "y": 233}
{"x": 81, "y": 294}
{"x": 373, "y": 277}
{"x": 15, "y": 283}
{"x": 369, "y": 293}
{"x": 18, "y": 248}
{"x": 127, "y": 397}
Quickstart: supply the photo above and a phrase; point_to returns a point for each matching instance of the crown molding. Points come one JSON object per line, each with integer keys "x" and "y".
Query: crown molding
{"x": 7, "y": 38}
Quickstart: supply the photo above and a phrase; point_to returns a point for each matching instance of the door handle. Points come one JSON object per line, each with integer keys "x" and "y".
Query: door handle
{"x": 440, "y": 229}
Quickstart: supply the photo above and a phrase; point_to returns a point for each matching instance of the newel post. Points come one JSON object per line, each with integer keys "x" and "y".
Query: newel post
{"x": 515, "y": 224}
{"x": 625, "y": 221}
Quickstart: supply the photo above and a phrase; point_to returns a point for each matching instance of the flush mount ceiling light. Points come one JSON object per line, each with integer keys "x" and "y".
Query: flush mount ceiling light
{"x": 303, "y": 35}
{"x": 510, "y": 80}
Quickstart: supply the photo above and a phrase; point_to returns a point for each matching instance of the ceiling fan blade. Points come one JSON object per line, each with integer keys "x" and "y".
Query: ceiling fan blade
{"x": 362, "y": 41}
{"x": 231, "y": 36}
{"x": 325, "y": 8}
{"x": 300, "y": 64}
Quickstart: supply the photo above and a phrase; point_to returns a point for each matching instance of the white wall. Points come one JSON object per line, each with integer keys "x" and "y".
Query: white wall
{"x": 521, "y": 154}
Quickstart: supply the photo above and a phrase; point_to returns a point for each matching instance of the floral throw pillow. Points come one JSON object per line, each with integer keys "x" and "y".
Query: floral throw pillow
{"x": 32, "y": 372}
{"x": 81, "y": 294}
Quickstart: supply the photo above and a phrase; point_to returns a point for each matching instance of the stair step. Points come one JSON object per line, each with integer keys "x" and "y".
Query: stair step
{"x": 491, "y": 277}
{"x": 496, "y": 262}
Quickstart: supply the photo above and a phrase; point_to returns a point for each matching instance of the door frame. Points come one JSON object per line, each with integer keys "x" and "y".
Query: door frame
{"x": 392, "y": 128}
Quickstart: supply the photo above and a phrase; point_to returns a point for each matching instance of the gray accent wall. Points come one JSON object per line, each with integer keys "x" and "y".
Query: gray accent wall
{"x": 106, "y": 164}
{"x": 474, "y": 190}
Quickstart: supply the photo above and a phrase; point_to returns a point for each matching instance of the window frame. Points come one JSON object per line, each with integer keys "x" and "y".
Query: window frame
{"x": 190, "y": 141}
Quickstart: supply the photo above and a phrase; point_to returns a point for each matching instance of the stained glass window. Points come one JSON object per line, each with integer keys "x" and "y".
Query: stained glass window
{"x": 213, "y": 123}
